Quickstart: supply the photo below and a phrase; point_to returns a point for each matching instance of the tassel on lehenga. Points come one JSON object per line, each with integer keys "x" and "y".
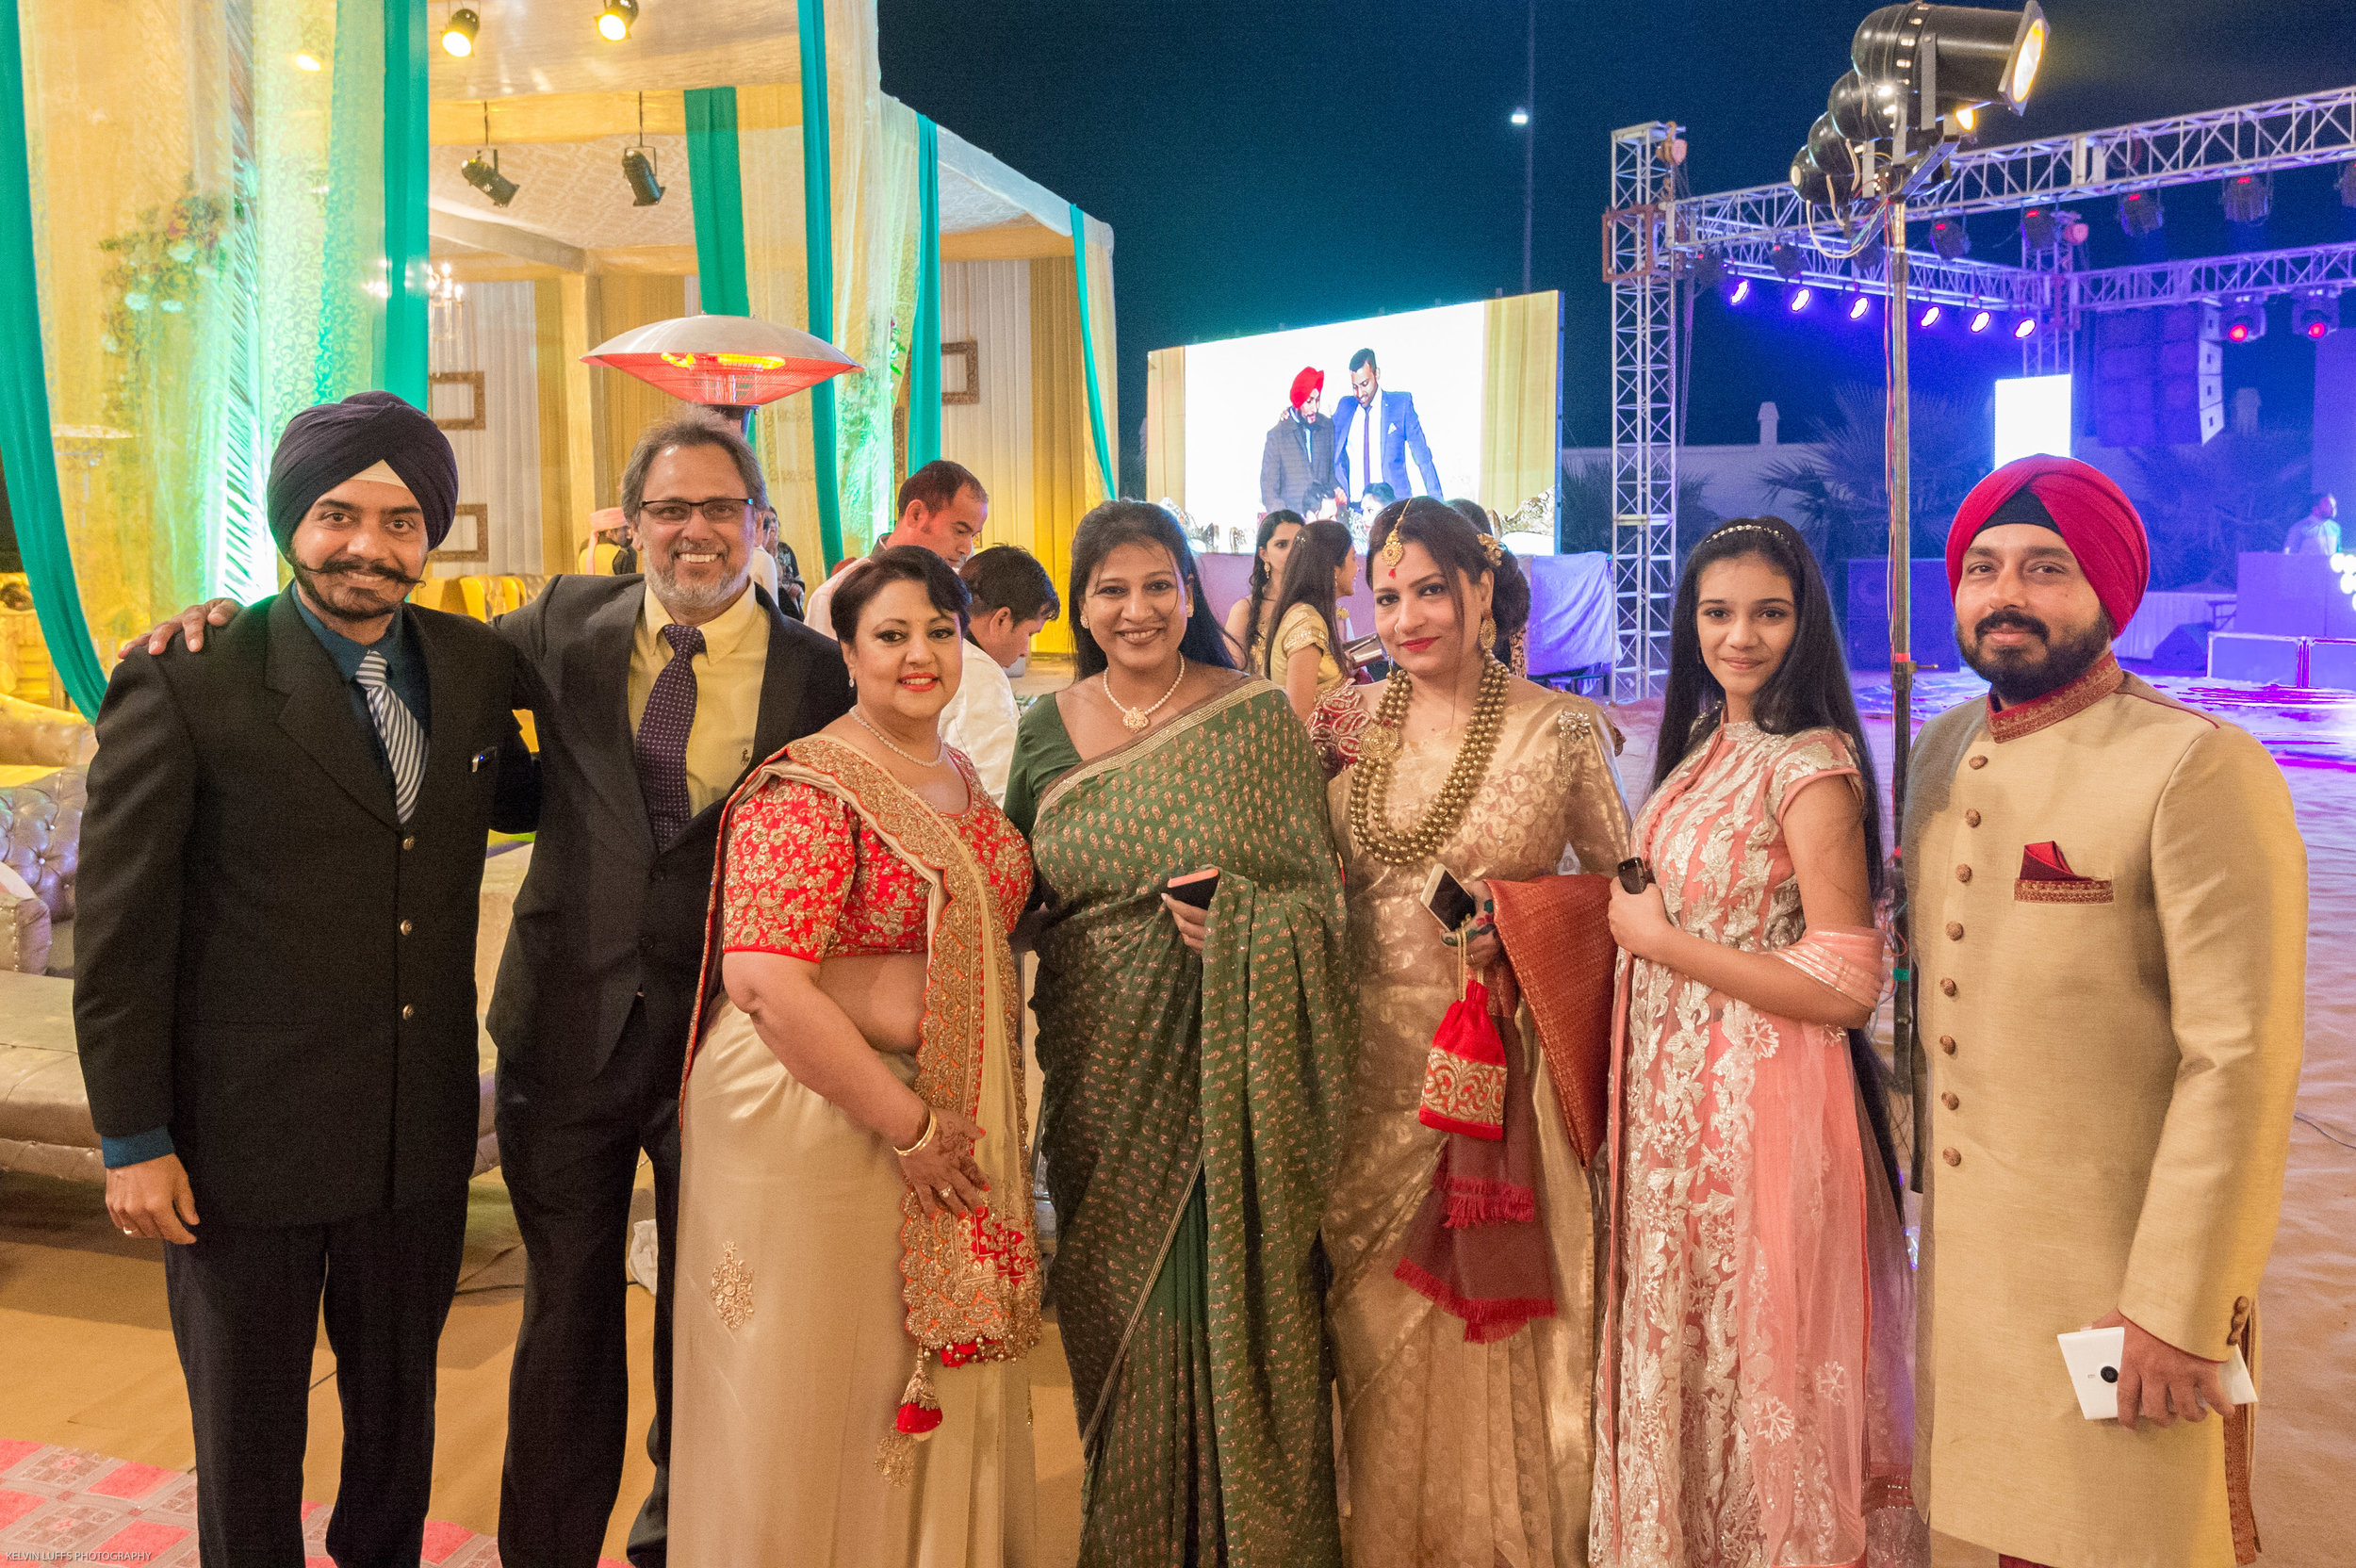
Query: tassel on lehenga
{"x": 919, "y": 1417}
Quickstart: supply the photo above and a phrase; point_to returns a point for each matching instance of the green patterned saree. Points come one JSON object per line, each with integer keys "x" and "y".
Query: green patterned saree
{"x": 1191, "y": 1121}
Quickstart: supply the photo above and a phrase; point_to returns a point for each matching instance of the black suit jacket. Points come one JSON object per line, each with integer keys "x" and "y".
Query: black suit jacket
{"x": 266, "y": 961}
{"x": 605, "y": 913}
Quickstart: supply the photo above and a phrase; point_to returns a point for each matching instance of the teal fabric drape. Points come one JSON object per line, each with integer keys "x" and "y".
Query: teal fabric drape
{"x": 401, "y": 365}
{"x": 818, "y": 242}
{"x": 1088, "y": 353}
{"x": 26, "y": 450}
{"x": 717, "y": 192}
{"x": 924, "y": 352}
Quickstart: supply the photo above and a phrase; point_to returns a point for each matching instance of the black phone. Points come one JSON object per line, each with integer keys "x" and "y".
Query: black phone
{"x": 1635, "y": 873}
{"x": 1446, "y": 900}
{"x": 1193, "y": 888}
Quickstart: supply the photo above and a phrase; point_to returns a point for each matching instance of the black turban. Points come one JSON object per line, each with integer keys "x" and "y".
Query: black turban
{"x": 327, "y": 444}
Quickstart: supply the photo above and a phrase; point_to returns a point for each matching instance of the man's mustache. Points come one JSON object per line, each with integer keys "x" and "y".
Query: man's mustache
{"x": 344, "y": 566}
{"x": 2000, "y": 618}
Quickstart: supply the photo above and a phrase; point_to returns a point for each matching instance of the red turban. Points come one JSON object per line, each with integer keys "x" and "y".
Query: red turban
{"x": 1307, "y": 384}
{"x": 2094, "y": 517}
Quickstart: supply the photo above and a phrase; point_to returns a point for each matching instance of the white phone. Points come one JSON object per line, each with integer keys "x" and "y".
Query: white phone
{"x": 2093, "y": 1355}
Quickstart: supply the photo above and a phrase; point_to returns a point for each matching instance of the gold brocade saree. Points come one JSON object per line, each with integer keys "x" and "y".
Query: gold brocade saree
{"x": 809, "y": 1280}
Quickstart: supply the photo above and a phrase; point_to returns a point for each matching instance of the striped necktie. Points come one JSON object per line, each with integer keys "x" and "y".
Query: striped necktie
{"x": 404, "y": 742}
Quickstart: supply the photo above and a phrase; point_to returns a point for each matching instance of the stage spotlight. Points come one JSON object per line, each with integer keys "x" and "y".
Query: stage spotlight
{"x": 1945, "y": 59}
{"x": 2140, "y": 212}
{"x": 616, "y": 19}
{"x": 1822, "y": 171}
{"x": 1930, "y": 316}
{"x": 1859, "y": 308}
{"x": 1708, "y": 271}
{"x": 638, "y": 168}
{"x": 1742, "y": 291}
{"x": 2024, "y": 327}
{"x": 2248, "y": 198}
{"x": 2315, "y": 313}
{"x": 2346, "y": 184}
{"x": 1950, "y": 238}
{"x": 1787, "y": 261}
{"x": 1980, "y": 318}
{"x": 486, "y": 178}
{"x": 1862, "y": 110}
{"x": 458, "y": 32}
{"x": 2037, "y": 229}
{"x": 2244, "y": 317}
{"x": 1799, "y": 300}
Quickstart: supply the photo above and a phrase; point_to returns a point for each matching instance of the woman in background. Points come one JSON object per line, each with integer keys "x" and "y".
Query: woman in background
{"x": 1753, "y": 1405}
{"x": 1195, "y": 1061}
{"x": 1304, "y": 654}
{"x": 1466, "y": 1425}
{"x": 857, "y": 1263}
{"x": 1249, "y": 617}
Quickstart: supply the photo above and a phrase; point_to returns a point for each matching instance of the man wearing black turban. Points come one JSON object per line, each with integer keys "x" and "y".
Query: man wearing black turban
{"x": 281, "y": 864}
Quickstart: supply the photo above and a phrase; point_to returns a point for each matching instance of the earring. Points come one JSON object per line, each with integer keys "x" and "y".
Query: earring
{"x": 1488, "y": 631}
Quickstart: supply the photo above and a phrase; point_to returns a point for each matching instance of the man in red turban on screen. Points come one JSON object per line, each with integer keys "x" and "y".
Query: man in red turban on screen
{"x": 1297, "y": 464}
{"x": 2110, "y": 932}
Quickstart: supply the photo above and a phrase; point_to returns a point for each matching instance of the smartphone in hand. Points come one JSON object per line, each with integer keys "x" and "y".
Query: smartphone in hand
{"x": 1445, "y": 899}
{"x": 1194, "y": 888}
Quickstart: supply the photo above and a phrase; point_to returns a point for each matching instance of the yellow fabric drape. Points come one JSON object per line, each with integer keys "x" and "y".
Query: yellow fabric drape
{"x": 1063, "y": 457}
{"x": 1166, "y": 424}
{"x": 1518, "y": 454}
{"x": 625, "y": 405}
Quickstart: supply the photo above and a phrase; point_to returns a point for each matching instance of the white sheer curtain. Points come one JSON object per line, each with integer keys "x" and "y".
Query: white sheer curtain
{"x": 989, "y": 304}
{"x": 492, "y": 331}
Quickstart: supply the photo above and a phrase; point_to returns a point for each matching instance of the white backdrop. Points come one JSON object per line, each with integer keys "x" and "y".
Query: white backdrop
{"x": 499, "y": 465}
{"x": 1236, "y": 390}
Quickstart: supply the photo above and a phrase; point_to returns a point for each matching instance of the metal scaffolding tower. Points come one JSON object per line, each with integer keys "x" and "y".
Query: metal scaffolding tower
{"x": 1653, "y": 236}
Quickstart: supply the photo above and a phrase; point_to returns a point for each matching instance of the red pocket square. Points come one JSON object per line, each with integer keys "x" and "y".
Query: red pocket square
{"x": 2045, "y": 863}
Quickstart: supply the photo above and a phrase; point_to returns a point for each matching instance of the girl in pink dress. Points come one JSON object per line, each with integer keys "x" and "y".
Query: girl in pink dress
{"x": 1752, "y": 1404}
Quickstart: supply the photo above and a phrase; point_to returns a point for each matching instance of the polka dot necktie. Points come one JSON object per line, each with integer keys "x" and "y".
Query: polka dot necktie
{"x": 404, "y": 740}
{"x": 661, "y": 744}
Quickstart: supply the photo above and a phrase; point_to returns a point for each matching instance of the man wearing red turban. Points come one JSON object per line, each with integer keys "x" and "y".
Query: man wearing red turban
{"x": 2108, "y": 1047}
{"x": 1296, "y": 462}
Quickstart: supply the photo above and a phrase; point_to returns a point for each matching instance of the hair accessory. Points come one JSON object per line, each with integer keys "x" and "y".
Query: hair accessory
{"x": 1495, "y": 551}
{"x": 1394, "y": 548}
{"x": 1743, "y": 528}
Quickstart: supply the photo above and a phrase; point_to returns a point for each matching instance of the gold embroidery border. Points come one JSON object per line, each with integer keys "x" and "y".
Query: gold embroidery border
{"x": 2013, "y": 724}
{"x": 2029, "y": 890}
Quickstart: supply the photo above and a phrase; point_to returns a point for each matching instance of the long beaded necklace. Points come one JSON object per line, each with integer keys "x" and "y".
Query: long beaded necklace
{"x": 940, "y": 748}
{"x": 1134, "y": 719}
{"x": 1370, "y": 785}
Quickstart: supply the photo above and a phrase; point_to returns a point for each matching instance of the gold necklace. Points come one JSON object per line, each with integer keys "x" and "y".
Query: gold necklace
{"x": 940, "y": 747}
{"x": 1370, "y": 784}
{"x": 1134, "y": 719}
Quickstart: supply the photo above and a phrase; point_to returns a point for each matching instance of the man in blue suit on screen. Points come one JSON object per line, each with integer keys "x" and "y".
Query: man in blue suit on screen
{"x": 1375, "y": 430}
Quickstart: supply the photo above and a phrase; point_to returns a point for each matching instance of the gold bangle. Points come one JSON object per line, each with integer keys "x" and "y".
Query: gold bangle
{"x": 932, "y": 1125}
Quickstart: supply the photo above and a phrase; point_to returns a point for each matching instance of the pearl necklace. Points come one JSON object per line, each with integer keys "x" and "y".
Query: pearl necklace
{"x": 940, "y": 748}
{"x": 1136, "y": 719}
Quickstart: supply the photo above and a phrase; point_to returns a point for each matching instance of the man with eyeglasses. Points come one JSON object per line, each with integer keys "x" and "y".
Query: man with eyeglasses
{"x": 658, "y": 693}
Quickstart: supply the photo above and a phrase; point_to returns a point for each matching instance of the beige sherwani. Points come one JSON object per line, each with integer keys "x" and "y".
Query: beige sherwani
{"x": 2111, "y": 1062}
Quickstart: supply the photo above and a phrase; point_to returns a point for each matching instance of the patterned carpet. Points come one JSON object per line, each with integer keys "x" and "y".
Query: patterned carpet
{"x": 62, "y": 1505}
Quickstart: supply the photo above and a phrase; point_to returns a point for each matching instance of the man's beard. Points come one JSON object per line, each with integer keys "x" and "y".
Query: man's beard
{"x": 2019, "y": 674}
{"x": 353, "y": 589}
{"x": 675, "y": 594}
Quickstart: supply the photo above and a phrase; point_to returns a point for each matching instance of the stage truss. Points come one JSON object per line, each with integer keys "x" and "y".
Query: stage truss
{"x": 1654, "y": 237}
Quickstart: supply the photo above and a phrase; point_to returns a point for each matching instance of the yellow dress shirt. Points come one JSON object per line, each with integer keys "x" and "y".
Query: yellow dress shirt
{"x": 728, "y": 691}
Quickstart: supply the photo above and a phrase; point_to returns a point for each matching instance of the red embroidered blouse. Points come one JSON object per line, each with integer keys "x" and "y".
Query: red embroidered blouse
{"x": 808, "y": 877}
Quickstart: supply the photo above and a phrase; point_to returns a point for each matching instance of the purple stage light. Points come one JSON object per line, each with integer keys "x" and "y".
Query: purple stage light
{"x": 1859, "y": 306}
{"x": 1930, "y": 316}
{"x": 1800, "y": 297}
{"x": 1980, "y": 320}
{"x": 1742, "y": 291}
{"x": 2024, "y": 327}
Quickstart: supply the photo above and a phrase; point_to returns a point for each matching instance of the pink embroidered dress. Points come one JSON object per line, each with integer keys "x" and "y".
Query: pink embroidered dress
{"x": 1736, "y": 1397}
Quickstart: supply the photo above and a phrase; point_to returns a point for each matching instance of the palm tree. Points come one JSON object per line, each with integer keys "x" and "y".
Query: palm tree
{"x": 2203, "y": 505}
{"x": 1840, "y": 488}
{"x": 1587, "y": 509}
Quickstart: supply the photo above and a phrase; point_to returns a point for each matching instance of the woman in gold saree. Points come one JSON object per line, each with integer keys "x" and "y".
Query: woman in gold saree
{"x": 1465, "y": 1390}
{"x": 857, "y": 1273}
{"x": 1194, "y": 1063}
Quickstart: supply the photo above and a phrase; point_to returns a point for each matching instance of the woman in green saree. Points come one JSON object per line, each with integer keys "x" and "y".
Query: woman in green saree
{"x": 1196, "y": 1065}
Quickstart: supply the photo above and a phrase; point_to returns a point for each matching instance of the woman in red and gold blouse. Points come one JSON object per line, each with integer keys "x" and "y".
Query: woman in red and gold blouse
{"x": 857, "y": 1268}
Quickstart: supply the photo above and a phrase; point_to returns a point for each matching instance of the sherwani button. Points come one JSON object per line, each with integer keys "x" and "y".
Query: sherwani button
{"x": 406, "y": 927}
{"x": 408, "y": 1010}
{"x": 1947, "y": 1043}
{"x": 1963, "y": 873}
{"x": 1946, "y": 988}
{"x": 1949, "y": 1100}
{"x": 1951, "y": 1157}
{"x": 1971, "y": 819}
{"x": 409, "y": 843}
{"x": 2241, "y": 1305}
{"x": 1980, "y": 762}
{"x": 1954, "y": 931}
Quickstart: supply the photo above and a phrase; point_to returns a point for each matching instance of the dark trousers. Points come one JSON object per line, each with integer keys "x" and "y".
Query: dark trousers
{"x": 570, "y": 1154}
{"x": 245, "y": 1311}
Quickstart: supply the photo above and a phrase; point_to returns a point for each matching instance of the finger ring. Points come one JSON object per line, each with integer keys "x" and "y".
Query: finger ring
{"x": 943, "y": 1192}
{"x": 128, "y": 1232}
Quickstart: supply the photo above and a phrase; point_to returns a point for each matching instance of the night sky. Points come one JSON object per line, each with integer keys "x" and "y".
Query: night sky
{"x": 1267, "y": 165}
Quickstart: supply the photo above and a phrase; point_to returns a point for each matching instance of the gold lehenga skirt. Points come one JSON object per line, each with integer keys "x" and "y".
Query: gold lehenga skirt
{"x": 789, "y": 1352}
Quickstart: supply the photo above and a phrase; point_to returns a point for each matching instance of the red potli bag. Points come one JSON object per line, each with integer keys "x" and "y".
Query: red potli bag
{"x": 1464, "y": 1078}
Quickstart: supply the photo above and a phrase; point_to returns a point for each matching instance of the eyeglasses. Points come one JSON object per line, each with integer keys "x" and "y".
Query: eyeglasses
{"x": 717, "y": 510}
